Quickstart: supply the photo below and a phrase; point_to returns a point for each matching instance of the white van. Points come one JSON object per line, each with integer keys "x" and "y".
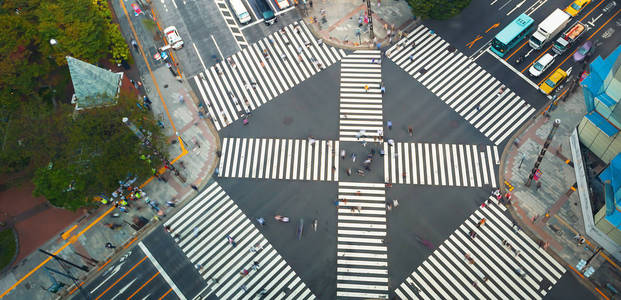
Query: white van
{"x": 541, "y": 65}
{"x": 240, "y": 11}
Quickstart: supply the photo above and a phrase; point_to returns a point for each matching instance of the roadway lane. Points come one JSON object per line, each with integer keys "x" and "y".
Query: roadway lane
{"x": 133, "y": 275}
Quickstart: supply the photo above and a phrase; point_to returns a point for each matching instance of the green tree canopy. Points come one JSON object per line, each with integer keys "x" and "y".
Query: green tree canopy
{"x": 75, "y": 158}
{"x": 98, "y": 150}
{"x": 437, "y": 9}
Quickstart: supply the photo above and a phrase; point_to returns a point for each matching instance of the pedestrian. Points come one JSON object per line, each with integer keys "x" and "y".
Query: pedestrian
{"x": 255, "y": 265}
{"x": 366, "y": 88}
{"x": 481, "y": 222}
{"x": 243, "y": 287}
{"x": 353, "y": 157}
{"x": 195, "y": 231}
{"x": 389, "y": 124}
{"x": 343, "y": 154}
{"x": 109, "y": 245}
{"x": 348, "y": 171}
{"x": 261, "y": 221}
{"x": 198, "y": 266}
{"x": 135, "y": 44}
{"x": 244, "y": 272}
{"x": 391, "y": 142}
{"x": 410, "y": 130}
{"x": 194, "y": 187}
{"x": 181, "y": 100}
{"x": 383, "y": 89}
{"x": 472, "y": 234}
{"x": 170, "y": 203}
{"x": 231, "y": 241}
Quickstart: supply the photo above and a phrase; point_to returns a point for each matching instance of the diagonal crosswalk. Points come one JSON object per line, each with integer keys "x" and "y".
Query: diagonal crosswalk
{"x": 362, "y": 254}
{"x": 361, "y": 98}
{"x": 201, "y": 228}
{"x": 288, "y": 159}
{"x": 440, "y": 164}
{"x": 500, "y": 262}
{"x": 463, "y": 85}
{"x": 262, "y": 71}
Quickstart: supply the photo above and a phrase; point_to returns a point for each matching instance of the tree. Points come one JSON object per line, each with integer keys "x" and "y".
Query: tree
{"x": 99, "y": 150}
{"x": 437, "y": 9}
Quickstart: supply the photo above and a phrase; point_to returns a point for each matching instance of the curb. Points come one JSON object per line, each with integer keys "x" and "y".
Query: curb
{"x": 363, "y": 46}
{"x": 511, "y": 209}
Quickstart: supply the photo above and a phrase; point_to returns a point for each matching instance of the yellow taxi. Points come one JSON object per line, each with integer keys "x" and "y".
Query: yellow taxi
{"x": 553, "y": 81}
{"x": 575, "y": 7}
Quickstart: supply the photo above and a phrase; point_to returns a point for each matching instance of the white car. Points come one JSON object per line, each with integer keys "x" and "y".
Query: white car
{"x": 541, "y": 65}
{"x": 173, "y": 37}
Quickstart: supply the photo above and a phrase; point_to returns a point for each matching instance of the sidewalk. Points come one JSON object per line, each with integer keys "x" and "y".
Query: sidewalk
{"x": 83, "y": 242}
{"x": 551, "y": 212}
{"x": 342, "y": 21}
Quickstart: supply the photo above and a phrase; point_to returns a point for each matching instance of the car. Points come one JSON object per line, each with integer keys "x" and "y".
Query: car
{"x": 575, "y": 7}
{"x": 137, "y": 10}
{"x": 269, "y": 17}
{"x": 583, "y": 51}
{"x": 282, "y": 4}
{"x": 173, "y": 37}
{"x": 553, "y": 81}
{"x": 541, "y": 65}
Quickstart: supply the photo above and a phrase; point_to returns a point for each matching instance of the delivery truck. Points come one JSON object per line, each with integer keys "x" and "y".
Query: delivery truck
{"x": 567, "y": 38}
{"x": 549, "y": 28}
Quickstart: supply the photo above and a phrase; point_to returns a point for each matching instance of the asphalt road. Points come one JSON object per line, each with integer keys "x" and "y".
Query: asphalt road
{"x": 430, "y": 212}
{"x": 482, "y": 20}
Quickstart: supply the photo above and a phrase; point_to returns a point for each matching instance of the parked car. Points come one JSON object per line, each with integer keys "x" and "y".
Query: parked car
{"x": 541, "y": 65}
{"x": 173, "y": 37}
{"x": 553, "y": 81}
{"x": 583, "y": 51}
{"x": 575, "y": 7}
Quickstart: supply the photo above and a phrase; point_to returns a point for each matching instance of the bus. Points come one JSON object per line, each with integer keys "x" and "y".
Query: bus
{"x": 511, "y": 35}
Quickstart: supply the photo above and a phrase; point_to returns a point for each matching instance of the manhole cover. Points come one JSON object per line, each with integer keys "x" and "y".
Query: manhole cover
{"x": 287, "y": 120}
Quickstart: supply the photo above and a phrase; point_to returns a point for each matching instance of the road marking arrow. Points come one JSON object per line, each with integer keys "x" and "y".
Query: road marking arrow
{"x": 493, "y": 26}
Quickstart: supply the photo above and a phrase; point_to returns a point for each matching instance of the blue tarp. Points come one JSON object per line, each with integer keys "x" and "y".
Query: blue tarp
{"x": 602, "y": 123}
{"x": 611, "y": 177}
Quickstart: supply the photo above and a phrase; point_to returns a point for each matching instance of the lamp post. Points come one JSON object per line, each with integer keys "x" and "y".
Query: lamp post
{"x": 555, "y": 125}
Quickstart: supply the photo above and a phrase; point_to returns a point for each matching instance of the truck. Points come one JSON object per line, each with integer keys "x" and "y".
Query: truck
{"x": 570, "y": 36}
{"x": 549, "y": 28}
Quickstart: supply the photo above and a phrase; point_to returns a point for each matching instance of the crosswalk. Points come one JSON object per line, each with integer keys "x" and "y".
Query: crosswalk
{"x": 201, "y": 228}
{"x": 500, "y": 262}
{"x": 231, "y": 23}
{"x": 361, "y": 98}
{"x": 466, "y": 87}
{"x": 288, "y": 159}
{"x": 440, "y": 164}
{"x": 262, "y": 71}
{"x": 362, "y": 254}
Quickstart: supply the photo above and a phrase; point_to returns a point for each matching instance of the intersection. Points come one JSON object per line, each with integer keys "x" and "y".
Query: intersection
{"x": 401, "y": 225}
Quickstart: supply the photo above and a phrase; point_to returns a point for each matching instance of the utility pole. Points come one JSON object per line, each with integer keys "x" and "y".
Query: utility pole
{"x": 370, "y": 16}
{"x": 555, "y": 125}
{"x": 67, "y": 274}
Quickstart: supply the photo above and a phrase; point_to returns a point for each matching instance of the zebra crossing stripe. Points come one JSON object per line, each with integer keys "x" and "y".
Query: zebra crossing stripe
{"x": 500, "y": 252}
{"x": 362, "y": 258}
{"x": 360, "y": 108}
{"x": 460, "y": 83}
{"x": 283, "y": 159}
{"x": 201, "y": 227}
{"x": 439, "y": 164}
{"x": 229, "y": 90}
{"x": 231, "y": 23}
